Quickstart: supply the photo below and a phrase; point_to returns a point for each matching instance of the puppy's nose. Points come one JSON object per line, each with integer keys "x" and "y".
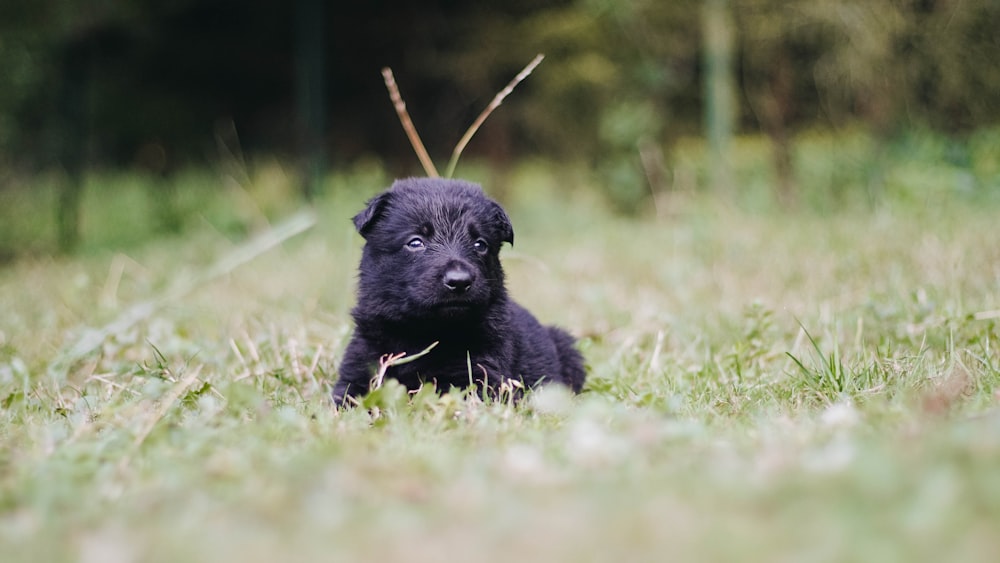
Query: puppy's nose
{"x": 457, "y": 280}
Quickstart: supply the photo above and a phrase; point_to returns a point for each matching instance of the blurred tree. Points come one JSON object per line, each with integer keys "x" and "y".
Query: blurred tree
{"x": 657, "y": 99}
{"x": 860, "y": 70}
{"x": 773, "y": 52}
{"x": 620, "y": 82}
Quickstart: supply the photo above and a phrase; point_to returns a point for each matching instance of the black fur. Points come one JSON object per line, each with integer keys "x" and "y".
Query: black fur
{"x": 430, "y": 272}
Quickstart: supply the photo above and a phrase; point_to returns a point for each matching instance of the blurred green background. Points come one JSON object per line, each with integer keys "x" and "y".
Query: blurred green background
{"x": 122, "y": 120}
{"x": 772, "y": 226}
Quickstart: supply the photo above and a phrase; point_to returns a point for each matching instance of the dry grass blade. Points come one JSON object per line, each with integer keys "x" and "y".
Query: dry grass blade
{"x": 252, "y": 248}
{"x": 497, "y": 100}
{"x": 404, "y": 118}
{"x": 389, "y": 360}
{"x": 165, "y": 405}
{"x": 384, "y": 363}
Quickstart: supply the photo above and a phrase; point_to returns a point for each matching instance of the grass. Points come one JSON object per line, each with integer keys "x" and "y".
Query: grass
{"x": 763, "y": 386}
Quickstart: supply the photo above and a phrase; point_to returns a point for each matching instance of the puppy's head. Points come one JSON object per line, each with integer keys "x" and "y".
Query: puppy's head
{"x": 431, "y": 251}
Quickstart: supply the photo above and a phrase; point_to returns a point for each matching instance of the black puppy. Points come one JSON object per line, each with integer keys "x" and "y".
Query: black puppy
{"x": 430, "y": 272}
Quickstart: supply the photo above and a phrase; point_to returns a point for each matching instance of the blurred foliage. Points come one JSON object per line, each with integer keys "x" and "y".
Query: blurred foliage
{"x": 161, "y": 85}
{"x": 889, "y": 64}
{"x": 839, "y": 173}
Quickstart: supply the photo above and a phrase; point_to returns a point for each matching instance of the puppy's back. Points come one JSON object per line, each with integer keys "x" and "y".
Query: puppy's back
{"x": 545, "y": 351}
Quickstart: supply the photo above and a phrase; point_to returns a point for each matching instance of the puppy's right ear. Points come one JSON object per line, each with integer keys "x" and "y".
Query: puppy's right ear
{"x": 365, "y": 220}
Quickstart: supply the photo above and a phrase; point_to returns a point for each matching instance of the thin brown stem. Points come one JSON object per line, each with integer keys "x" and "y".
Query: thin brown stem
{"x": 497, "y": 100}
{"x": 404, "y": 118}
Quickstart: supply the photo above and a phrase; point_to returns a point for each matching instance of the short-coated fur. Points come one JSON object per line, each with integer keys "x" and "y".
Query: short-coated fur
{"x": 430, "y": 272}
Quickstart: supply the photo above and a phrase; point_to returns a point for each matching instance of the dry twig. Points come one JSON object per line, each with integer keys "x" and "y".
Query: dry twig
{"x": 404, "y": 118}
{"x": 497, "y": 100}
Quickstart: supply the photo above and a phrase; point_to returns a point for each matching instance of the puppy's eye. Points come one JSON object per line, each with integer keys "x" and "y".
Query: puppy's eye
{"x": 481, "y": 246}
{"x": 415, "y": 243}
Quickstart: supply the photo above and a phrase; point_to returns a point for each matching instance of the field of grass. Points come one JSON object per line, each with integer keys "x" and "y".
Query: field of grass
{"x": 764, "y": 386}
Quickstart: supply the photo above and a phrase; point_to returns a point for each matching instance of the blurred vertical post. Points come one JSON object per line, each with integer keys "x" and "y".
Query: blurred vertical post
{"x": 70, "y": 133}
{"x": 717, "y": 52}
{"x": 310, "y": 92}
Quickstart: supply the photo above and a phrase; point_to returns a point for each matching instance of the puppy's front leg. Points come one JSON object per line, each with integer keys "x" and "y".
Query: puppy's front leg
{"x": 355, "y": 372}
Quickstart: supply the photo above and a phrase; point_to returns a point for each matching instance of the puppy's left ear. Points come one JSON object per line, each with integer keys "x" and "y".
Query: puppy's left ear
{"x": 365, "y": 220}
{"x": 503, "y": 225}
